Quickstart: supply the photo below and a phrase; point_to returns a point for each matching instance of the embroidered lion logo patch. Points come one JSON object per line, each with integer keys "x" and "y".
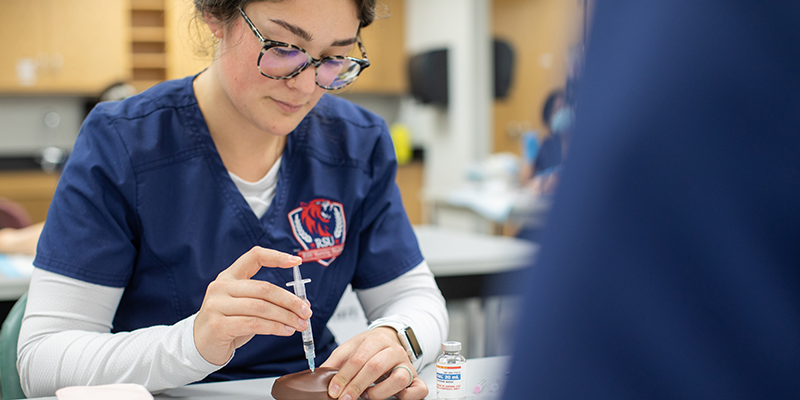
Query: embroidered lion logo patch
{"x": 320, "y": 227}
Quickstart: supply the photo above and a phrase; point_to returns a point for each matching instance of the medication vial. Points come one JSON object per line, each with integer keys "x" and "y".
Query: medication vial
{"x": 450, "y": 372}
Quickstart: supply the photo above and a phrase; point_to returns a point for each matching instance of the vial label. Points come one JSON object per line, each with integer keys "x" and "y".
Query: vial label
{"x": 450, "y": 382}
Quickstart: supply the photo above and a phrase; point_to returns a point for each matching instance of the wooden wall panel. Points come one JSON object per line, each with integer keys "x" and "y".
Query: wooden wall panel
{"x": 541, "y": 33}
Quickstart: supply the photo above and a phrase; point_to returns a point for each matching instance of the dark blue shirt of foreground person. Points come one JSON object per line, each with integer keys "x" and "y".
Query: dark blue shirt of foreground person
{"x": 670, "y": 268}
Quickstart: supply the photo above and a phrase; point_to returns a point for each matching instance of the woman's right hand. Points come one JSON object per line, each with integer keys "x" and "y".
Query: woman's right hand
{"x": 236, "y": 307}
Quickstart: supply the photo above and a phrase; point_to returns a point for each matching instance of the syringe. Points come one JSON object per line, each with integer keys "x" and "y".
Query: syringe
{"x": 299, "y": 285}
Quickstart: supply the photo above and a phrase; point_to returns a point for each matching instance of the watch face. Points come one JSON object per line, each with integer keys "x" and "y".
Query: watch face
{"x": 412, "y": 340}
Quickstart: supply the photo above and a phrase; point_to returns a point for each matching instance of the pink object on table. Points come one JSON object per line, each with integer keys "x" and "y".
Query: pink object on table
{"x": 479, "y": 387}
{"x": 116, "y": 391}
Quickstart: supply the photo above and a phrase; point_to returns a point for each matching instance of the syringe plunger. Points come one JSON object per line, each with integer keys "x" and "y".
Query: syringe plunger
{"x": 299, "y": 285}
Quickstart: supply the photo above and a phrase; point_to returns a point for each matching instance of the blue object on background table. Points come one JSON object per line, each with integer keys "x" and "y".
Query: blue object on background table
{"x": 530, "y": 146}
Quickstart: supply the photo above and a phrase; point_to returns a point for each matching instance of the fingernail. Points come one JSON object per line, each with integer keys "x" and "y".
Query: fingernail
{"x": 302, "y": 323}
{"x": 364, "y": 396}
{"x": 334, "y": 390}
{"x": 295, "y": 259}
{"x": 306, "y": 311}
{"x": 289, "y": 329}
{"x": 346, "y": 397}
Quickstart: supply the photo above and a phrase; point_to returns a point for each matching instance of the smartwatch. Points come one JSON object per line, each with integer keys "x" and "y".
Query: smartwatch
{"x": 407, "y": 338}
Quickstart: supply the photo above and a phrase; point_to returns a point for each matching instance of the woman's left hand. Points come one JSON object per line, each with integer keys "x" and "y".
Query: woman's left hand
{"x": 365, "y": 359}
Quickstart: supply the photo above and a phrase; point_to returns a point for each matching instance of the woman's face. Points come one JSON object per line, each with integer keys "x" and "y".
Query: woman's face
{"x": 322, "y": 28}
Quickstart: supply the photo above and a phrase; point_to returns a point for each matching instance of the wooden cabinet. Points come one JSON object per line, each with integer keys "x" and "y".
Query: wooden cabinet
{"x": 541, "y": 33}
{"x": 33, "y": 190}
{"x": 84, "y": 46}
{"x": 63, "y": 46}
{"x": 410, "y": 179}
{"x": 148, "y": 59}
{"x": 188, "y": 40}
{"x": 165, "y": 41}
{"x": 384, "y": 41}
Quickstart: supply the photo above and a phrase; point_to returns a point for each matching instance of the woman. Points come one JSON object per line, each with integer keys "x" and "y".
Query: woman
{"x": 540, "y": 171}
{"x": 149, "y": 268}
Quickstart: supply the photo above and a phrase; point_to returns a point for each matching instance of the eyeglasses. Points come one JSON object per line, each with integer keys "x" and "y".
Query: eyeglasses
{"x": 279, "y": 60}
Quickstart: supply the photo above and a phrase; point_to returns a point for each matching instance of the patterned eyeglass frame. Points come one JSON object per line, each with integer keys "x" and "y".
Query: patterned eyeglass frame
{"x": 267, "y": 44}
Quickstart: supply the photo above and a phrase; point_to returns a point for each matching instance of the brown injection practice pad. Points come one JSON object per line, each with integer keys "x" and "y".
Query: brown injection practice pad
{"x": 304, "y": 385}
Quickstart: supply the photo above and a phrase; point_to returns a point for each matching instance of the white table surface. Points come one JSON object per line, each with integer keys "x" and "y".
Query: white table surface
{"x": 498, "y": 205}
{"x": 451, "y": 252}
{"x": 490, "y": 369}
{"x": 15, "y": 273}
{"x": 13, "y": 288}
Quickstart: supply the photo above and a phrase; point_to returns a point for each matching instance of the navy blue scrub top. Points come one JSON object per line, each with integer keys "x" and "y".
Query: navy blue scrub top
{"x": 146, "y": 204}
{"x": 550, "y": 154}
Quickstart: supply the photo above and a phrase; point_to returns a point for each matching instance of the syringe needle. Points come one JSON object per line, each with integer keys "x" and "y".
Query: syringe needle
{"x": 308, "y": 336}
{"x": 308, "y": 346}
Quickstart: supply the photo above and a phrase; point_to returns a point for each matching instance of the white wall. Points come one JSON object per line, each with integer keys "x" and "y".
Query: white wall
{"x": 32, "y": 123}
{"x": 461, "y": 134}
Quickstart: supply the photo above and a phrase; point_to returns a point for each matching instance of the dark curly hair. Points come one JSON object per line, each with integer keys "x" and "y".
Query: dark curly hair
{"x": 550, "y": 105}
{"x": 227, "y": 10}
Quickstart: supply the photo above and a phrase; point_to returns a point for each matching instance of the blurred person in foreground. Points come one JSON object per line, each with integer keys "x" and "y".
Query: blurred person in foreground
{"x": 670, "y": 267}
